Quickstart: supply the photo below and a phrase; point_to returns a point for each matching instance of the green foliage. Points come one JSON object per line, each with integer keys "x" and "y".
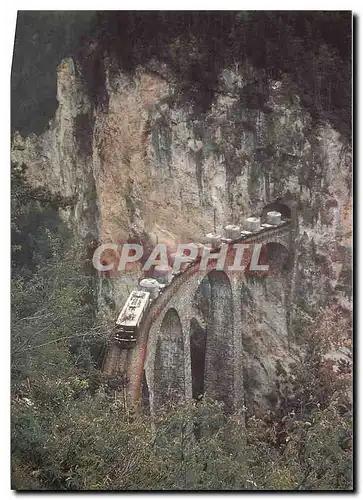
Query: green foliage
{"x": 54, "y": 334}
{"x": 313, "y": 48}
{"x": 93, "y": 443}
{"x": 70, "y": 433}
{"x": 34, "y": 215}
{"x": 52, "y": 312}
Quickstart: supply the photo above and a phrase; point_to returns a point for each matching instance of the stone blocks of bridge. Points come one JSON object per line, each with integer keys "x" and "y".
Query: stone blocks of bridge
{"x": 213, "y": 330}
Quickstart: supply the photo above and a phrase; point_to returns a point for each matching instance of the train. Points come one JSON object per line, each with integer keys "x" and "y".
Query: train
{"x": 130, "y": 317}
{"x": 128, "y": 321}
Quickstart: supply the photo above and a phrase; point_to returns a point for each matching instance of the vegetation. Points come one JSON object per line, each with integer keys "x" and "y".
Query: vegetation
{"x": 313, "y": 48}
{"x": 69, "y": 430}
{"x": 66, "y": 438}
{"x": 70, "y": 433}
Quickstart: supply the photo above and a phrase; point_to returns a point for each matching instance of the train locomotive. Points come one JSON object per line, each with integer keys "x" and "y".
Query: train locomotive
{"x": 128, "y": 322}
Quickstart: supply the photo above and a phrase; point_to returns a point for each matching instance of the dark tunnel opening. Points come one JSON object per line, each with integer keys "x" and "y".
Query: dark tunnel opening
{"x": 277, "y": 206}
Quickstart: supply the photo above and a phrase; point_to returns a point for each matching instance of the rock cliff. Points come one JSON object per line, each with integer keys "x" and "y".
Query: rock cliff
{"x": 144, "y": 159}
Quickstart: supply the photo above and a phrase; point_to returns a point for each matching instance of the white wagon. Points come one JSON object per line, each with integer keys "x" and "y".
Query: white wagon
{"x": 130, "y": 317}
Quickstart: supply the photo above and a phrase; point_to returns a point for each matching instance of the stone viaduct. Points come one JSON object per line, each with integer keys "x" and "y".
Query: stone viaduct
{"x": 194, "y": 336}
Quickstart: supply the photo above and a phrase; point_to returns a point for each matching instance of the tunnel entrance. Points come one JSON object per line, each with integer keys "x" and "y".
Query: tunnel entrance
{"x": 277, "y": 206}
{"x": 169, "y": 361}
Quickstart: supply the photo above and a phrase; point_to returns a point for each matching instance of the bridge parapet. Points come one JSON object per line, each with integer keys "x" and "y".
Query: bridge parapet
{"x": 280, "y": 234}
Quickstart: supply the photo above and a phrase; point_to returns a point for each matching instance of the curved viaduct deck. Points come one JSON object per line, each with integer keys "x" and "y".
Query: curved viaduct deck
{"x": 178, "y": 295}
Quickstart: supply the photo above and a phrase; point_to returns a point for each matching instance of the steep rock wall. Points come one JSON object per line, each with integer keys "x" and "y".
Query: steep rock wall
{"x": 141, "y": 164}
{"x": 148, "y": 166}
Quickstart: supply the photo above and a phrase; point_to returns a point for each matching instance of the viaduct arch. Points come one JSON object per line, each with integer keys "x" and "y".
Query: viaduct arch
{"x": 201, "y": 332}
{"x": 211, "y": 347}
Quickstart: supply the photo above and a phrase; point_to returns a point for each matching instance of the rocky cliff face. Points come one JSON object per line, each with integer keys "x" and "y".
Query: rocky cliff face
{"x": 141, "y": 163}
